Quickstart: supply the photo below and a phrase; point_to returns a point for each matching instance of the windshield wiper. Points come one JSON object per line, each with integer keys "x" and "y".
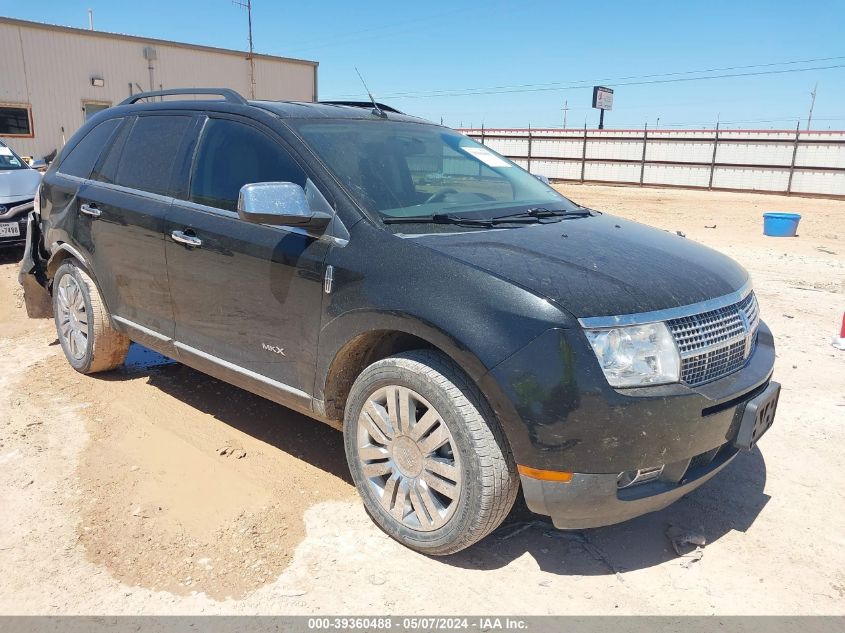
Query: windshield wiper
{"x": 445, "y": 218}
{"x": 541, "y": 213}
{"x": 531, "y": 216}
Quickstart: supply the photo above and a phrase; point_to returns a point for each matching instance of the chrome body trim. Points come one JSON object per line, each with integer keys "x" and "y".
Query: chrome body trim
{"x": 130, "y": 191}
{"x": 243, "y": 371}
{"x": 12, "y": 212}
{"x": 195, "y": 206}
{"x": 669, "y": 313}
{"x": 280, "y": 386}
{"x": 142, "y": 329}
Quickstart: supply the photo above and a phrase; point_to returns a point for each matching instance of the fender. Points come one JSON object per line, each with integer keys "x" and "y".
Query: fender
{"x": 335, "y": 335}
{"x": 59, "y": 252}
{"x": 58, "y": 247}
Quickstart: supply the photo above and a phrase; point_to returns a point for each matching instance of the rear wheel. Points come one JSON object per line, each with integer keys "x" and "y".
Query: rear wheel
{"x": 89, "y": 341}
{"x": 427, "y": 454}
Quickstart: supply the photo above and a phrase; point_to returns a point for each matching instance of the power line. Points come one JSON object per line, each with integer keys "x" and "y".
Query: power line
{"x": 672, "y": 77}
{"x": 394, "y": 28}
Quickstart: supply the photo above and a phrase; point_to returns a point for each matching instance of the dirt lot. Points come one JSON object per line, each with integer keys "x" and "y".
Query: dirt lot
{"x": 156, "y": 489}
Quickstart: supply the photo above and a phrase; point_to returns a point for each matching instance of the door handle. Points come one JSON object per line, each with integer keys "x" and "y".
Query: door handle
{"x": 187, "y": 240}
{"x": 90, "y": 209}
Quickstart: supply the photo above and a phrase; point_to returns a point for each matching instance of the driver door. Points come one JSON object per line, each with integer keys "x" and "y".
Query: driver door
{"x": 246, "y": 297}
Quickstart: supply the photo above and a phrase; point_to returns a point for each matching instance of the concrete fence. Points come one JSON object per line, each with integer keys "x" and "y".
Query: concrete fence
{"x": 772, "y": 161}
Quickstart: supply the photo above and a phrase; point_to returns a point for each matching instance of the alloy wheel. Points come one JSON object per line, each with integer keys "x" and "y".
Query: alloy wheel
{"x": 409, "y": 458}
{"x": 73, "y": 318}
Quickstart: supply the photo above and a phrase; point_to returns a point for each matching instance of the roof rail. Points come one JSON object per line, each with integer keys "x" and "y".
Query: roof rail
{"x": 363, "y": 104}
{"x": 229, "y": 95}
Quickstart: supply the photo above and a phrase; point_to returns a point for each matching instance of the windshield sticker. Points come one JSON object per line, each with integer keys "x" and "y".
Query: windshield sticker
{"x": 486, "y": 156}
{"x": 5, "y": 151}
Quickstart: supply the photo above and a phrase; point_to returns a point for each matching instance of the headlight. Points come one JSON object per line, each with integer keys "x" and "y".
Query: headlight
{"x": 636, "y": 355}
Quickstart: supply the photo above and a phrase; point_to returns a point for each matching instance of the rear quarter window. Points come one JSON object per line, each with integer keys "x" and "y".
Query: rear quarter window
{"x": 145, "y": 160}
{"x": 81, "y": 159}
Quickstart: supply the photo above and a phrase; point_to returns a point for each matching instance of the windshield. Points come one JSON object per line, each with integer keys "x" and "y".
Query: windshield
{"x": 10, "y": 160}
{"x": 405, "y": 170}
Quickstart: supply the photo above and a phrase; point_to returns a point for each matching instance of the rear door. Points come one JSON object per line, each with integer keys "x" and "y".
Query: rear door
{"x": 122, "y": 211}
{"x": 247, "y": 295}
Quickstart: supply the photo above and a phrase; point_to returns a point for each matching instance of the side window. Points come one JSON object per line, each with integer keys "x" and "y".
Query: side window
{"x": 105, "y": 169}
{"x": 230, "y": 155}
{"x": 145, "y": 161}
{"x": 81, "y": 159}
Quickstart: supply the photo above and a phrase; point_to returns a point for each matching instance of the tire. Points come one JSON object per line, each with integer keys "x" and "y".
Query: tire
{"x": 435, "y": 501}
{"x": 83, "y": 326}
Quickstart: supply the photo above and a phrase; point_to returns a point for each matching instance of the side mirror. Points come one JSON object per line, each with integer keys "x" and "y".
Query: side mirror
{"x": 279, "y": 203}
{"x": 543, "y": 179}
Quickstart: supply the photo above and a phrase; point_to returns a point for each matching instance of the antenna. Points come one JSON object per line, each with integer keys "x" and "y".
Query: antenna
{"x": 247, "y": 4}
{"x": 376, "y": 110}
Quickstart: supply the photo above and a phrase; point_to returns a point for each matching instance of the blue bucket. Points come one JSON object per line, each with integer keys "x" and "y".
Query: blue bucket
{"x": 780, "y": 224}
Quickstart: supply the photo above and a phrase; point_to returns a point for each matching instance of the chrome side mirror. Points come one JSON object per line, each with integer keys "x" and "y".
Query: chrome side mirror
{"x": 39, "y": 164}
{"x": 280, "y": 204}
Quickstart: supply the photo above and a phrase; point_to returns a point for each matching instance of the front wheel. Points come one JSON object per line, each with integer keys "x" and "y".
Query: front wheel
{"x": 427, "y": 454}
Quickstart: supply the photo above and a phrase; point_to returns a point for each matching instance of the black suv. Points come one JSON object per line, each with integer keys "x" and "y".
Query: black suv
{"x": 466, "y": 326}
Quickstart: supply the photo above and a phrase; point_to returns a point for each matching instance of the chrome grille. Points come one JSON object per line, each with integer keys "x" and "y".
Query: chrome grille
{"x": 715, "y": 343}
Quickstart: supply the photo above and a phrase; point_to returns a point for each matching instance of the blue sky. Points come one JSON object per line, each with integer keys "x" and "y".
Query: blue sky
{"x": 413, "y": 47}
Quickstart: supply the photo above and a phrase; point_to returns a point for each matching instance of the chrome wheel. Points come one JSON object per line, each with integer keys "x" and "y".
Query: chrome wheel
{"x": 73, "y": 318}
{"x": 409, "y": 457}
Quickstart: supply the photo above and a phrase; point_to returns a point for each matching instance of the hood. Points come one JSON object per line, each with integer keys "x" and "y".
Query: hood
{"x": 597, "y": 266}
{"x": 18, "y": 184}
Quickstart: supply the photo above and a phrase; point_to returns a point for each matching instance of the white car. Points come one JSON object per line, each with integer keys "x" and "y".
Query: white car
{"x": 18, "y": 185}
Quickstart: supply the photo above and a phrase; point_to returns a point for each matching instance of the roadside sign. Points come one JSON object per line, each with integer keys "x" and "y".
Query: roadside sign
{"x": 602, "y": 98}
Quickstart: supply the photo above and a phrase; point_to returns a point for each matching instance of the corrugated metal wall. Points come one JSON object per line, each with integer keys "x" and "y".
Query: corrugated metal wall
{"x": 51, "y": 69}
{"x": 747, "y": 160}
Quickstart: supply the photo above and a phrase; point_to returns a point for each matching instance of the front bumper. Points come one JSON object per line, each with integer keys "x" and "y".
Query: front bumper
{"x": 592, "y": 500}
{"x": 588, "y": 501}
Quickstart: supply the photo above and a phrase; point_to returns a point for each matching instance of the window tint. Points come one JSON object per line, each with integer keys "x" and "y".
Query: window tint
{"x": 106, "y": 169}
{"x": 231, "y": 155}
{"x": 82, "y": 157}
{"x": 147, "y": 157}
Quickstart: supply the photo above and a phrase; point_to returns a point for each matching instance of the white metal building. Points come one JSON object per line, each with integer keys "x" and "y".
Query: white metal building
{"x": 53, "y": 77}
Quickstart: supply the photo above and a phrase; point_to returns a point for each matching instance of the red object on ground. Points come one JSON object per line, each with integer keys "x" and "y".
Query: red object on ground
{"x": 839, "y": 341}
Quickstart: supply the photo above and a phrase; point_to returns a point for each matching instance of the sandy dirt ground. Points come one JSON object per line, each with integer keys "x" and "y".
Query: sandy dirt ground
{"x": 156, "y": 489}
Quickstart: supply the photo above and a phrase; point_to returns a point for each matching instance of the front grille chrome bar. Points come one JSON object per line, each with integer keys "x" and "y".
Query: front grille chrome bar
{"x": 716, "y": 343}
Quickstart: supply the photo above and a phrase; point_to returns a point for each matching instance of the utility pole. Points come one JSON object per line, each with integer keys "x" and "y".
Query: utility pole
{"x": 247, "y": 4}
{"x": 812, "y": 105}
{"x": 565, "y": 108}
